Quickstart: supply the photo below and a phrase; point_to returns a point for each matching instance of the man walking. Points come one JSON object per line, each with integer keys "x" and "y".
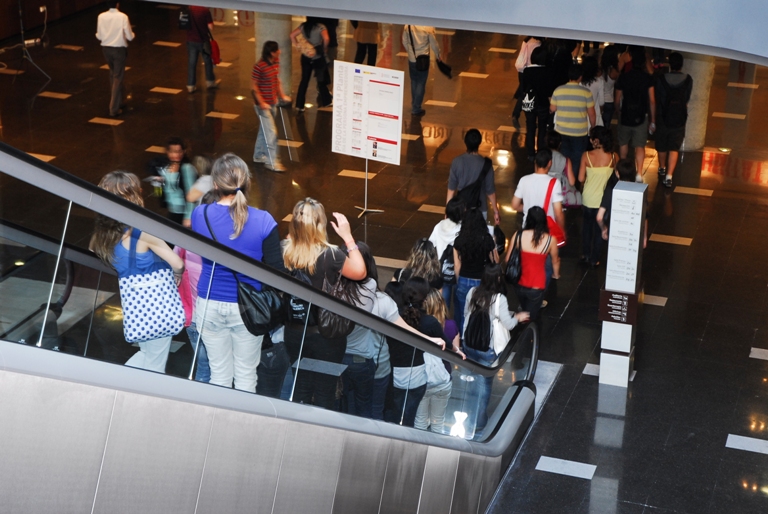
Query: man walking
{"x": 267, "y": 94}
{"x": 673, "y": 92}
{"x": 634, "y": 97}
{"x": 199, "y": 33}
{"x": 574, "y": 110}
{"x": 471, "y": 177}
{"x": 113, "y": 29}
{"x": 418, "y": 40}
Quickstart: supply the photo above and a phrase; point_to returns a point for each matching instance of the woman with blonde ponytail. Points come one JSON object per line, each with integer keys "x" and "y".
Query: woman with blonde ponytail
{"x": 307, "y": 253}
{"x": 233, "y": 352}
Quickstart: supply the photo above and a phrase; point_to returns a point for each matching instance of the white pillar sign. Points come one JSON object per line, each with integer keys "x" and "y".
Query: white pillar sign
{"x": 618, "y": 302}
{"x": 367, "y": 111}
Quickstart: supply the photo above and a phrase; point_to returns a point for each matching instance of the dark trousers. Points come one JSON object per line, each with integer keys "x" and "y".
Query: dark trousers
{"x": 115, "y": 56}
{"x": 320, "y": 69}
{"x": 379, "y": 396}
{"x": 358, "y": 384}
{"x": 271, "y": 372}
{"x": 607, "y": 113}
{"x": 312, "y": 387}
{"x": 530, "y": 300}
{"x": 536, "y": 130}
{"x": 573, "y": 147}
{"x": 519, "y": 94}
{"x": 363, "y": 48}
{"x": 194, "y": 50}
{"x": 591, "y": 236}
{"x": 418, "y": 86}
{"x": 405, "y": 403}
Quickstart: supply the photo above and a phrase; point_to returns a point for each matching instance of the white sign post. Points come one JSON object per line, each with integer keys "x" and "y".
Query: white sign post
{"x": 618, "y": 301}
{"x": 367, "y": 115}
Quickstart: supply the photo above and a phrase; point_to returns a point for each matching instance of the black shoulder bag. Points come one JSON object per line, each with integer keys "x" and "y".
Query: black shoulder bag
{"x": 261, "y": 311}
{"x": 471, "y": 193}
{"x": 515, "y": 264}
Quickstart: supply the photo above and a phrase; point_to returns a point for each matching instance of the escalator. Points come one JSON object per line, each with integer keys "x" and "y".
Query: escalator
{"x": 84, "y": 433}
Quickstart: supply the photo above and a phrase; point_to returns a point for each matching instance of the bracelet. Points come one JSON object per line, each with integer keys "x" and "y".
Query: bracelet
{"x": 352, "y": 248}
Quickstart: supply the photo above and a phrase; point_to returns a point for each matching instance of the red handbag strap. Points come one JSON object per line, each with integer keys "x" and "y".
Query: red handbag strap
{"x": 549, "y": 195}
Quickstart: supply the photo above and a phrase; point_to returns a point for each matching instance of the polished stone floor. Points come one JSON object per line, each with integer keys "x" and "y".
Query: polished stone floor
{"x": 659, "y": 448}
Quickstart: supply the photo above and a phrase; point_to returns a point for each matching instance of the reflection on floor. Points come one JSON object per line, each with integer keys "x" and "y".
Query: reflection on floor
{"x": 663, "y": 447}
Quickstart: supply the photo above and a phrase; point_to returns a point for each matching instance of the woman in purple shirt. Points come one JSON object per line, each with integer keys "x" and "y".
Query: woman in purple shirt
{"x": 234, "y": 353}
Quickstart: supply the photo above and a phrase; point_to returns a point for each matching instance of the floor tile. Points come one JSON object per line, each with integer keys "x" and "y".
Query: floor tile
{"x": 662, "y": 238}
{"x": 169, "y": 44}
{"x": 356, "y": 174}
{"x": 222, "y": 115}
{"x": 743, "y": 86}
{"x": 566, "y": 467}
{"x": 42, "y": 157}
{"x": 166, "y": 90}
{"x": 434, "y": 209}
{"x": 73, "y": 48}
{"x": 693, "y": 191}
{"x": 473, "y": 75}
{"x": 440, "y": 103}
{"x": 106, "y": 121}
{"x": 749, "y": 444}
{"x": 503, "y": 50}
{"x": 728, "y": 115}
{"x": 51, "y": 94}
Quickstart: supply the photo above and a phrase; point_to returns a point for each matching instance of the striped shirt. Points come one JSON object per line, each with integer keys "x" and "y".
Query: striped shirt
{"x": 265, "y": 76}
{"x": 572, "y": 101}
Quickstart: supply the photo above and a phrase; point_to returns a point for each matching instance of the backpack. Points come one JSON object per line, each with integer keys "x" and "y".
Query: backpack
{"x": 477, "y": 335}
{"x": 447, "y": 266}
{"x": 184, "y": 23}
{"x": 674, "y": 109}
{"x": 471, "y": 193}
{"x": 529, "y": 101}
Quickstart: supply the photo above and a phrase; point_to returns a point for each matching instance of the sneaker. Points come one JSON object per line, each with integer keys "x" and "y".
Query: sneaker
{"x": 299, "y": 110}
{"x": 420, "y": 112}
{"x": 260, "y": 159}
{"x": 213, "y": 84}
{"x": 668, "y": 182}
{"x": 662, "y": 172}
{"x": 191, "y": 89}
{"x": 276, "y": 167}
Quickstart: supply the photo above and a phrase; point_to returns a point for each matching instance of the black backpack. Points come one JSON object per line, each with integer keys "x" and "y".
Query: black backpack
{"x": 478, "y": 332}
{"x": 446, "y": 266}
{"x": 674, "y": 110}
{"x": 471, "y": 193}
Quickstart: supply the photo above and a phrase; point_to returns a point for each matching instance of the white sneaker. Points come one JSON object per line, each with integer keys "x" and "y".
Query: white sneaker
{"x": 191, "y": 89}
{"x": 261, "y": 159}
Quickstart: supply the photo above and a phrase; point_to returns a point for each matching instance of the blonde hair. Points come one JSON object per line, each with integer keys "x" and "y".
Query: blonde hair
{"x": 307, "y": 236}
{"x": 424, "y": 261}
{"x": 231, "y": 176}
{"x": 434, "y": 305}
{"x": 107, "y": 232}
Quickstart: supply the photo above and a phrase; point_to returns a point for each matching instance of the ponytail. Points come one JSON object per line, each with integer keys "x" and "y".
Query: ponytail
{"x": 231, "y": 176}
{"x": 238, "y": 210}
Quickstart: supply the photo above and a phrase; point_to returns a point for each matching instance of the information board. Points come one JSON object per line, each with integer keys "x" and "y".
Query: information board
{"x": 625, "y": 237}
{"x": 367, "y": 111}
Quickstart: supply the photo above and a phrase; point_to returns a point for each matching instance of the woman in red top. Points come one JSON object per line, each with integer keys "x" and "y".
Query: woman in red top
{"x": 536, "y": 245}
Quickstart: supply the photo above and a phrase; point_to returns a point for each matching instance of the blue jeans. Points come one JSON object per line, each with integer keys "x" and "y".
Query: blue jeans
{"x": 266, "y": 140}
{"x": 448, "y": 290}
{"x": 379, "y": 396}
{"x": 418, "y": 86}
{"x": 203, "y": 373}
{"x": 573, "y": 147}
{"x": 462, "y": 288}
{"x": 479, "y": 393}
{"x": 193, "y": 50}
{"x": 358, "y": 384}
{"x": 405, "y": 404}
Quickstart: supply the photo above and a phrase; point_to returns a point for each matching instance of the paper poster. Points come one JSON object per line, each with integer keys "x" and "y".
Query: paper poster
{"x": 367, "y": 111}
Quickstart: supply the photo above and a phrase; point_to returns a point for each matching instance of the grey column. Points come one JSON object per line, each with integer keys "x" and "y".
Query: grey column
{"x": 276, "y": 27}
{"x": 702, "y": 69}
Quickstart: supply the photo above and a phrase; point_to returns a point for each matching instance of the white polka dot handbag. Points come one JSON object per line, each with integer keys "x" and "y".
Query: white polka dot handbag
{"x": 151, "y": 302}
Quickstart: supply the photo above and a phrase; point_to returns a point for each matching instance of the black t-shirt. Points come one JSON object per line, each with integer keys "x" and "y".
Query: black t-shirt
{"x": 634, "y": 86}
{"x": 401, "y": 354}
{"x": 474, "y": 257}
{"x": 608, "y": 196}
{"x": 328, "y": 266}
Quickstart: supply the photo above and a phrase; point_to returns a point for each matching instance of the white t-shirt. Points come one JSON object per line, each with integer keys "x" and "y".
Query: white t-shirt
{"x": 597, "y": 87}
{"x": 386, "y": 308}
{"x": 532, "y": 190}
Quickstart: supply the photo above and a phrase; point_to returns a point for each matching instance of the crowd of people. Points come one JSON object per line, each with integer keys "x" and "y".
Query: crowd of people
{"x": 453, "y": 287}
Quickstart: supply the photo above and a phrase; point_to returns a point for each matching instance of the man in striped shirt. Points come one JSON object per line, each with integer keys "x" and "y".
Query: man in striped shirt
{"x": 267, "y": 94}
{"x": 574, "y": 110}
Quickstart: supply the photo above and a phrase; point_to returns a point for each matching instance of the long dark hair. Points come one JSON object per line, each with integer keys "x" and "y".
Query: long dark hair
{"x": 371, "y": 271}
{"x": 590, "y": 69}
{"x": 491, "y": 284}
{"x": 472, "y": 236}
{"x": 536, "y": 221}
{"x": 415, "y": 290}
{"x": 610, "y": 59}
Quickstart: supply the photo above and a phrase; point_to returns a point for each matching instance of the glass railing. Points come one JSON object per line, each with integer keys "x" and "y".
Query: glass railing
{"x": 55, "y": 294}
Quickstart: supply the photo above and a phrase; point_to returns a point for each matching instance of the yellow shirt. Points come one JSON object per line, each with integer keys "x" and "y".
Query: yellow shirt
{"x": 594, "y": 185}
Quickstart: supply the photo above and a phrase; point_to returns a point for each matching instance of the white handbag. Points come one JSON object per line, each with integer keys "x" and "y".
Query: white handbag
{"x": 499, "y": 334}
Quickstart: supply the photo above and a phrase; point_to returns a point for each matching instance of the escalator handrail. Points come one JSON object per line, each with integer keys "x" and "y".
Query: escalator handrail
{"x": 49, "y": 178}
